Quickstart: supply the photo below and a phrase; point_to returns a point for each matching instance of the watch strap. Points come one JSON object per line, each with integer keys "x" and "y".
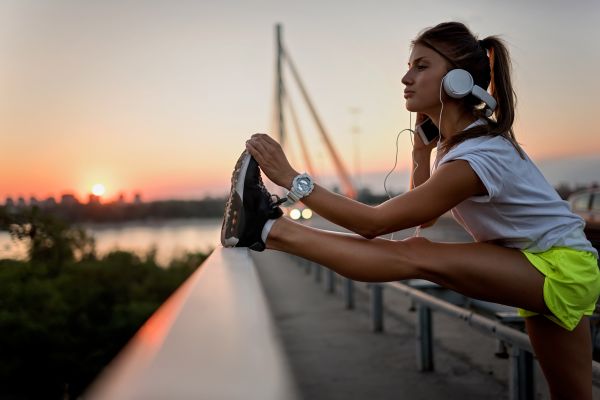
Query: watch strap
{"x": 293, "y": 196}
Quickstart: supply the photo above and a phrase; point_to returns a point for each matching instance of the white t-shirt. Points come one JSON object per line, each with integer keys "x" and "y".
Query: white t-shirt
{"x": 521, "y": 210}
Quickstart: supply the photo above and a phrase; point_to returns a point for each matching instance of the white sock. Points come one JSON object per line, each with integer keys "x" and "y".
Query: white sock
{"x": 266, "y": 229}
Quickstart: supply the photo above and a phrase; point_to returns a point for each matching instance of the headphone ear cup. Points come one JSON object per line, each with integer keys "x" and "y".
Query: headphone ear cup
{"x": 458, "y": 83}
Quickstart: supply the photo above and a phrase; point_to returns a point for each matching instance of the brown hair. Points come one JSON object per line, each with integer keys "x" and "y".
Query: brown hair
{"x": 489, "y": 63}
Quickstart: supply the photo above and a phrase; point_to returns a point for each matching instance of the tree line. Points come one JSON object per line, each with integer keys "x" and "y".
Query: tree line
{"x": 120, "y": 212}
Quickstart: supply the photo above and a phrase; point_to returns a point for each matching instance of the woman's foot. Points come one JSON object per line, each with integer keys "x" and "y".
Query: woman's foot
{"x": 249, "y": 207}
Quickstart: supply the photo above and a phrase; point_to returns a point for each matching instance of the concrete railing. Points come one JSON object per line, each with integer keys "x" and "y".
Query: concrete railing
{"x": 214, "y": 338}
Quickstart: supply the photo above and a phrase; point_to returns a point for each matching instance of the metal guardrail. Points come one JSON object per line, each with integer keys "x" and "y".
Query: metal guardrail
{"x": 214, "y": 338}
{"x": 521, "y": 382}
{"x": 505, "y": 333}
{"x": 521, "y": 377}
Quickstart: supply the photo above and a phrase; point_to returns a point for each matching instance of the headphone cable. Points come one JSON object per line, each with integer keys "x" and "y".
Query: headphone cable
{"x": 415, "y": 164}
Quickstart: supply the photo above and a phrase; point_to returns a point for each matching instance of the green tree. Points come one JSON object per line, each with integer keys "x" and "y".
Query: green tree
{"x": 48, "y": 238}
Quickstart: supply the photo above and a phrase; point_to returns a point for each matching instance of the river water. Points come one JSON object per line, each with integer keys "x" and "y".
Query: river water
{"x": 170, "y": 237}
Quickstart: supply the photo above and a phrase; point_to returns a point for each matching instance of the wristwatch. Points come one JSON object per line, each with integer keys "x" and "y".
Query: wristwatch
{"x": 302, "y": 186}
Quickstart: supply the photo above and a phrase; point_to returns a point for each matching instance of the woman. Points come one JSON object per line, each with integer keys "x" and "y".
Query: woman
{"x": 529, "y": 252}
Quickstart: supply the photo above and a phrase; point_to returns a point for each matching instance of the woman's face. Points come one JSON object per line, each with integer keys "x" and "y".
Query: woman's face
{"x": 426, "y": 68}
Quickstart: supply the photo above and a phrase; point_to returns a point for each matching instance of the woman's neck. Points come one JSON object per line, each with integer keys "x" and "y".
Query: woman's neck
{"x": 454, "y": 120}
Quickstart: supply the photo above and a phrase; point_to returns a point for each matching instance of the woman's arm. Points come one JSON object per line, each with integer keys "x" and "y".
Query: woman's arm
{"x": 421, "y": 157}
{"x": 451, "y": 184}
{"x": 420, "y": 173}
{"x": 420, "y": 167}
{"x": 448, "y": 186}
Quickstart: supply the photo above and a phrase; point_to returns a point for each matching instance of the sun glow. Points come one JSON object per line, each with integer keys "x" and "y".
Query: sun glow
{"x": 98, "y": 189}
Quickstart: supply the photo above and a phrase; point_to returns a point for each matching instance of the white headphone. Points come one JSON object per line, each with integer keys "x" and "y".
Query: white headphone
{"x": 458, "y": 83}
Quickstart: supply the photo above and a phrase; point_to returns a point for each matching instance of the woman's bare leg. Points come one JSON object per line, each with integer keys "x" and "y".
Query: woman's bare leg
{"x": 565, "y": 357}
{"x": 478, "y": 270}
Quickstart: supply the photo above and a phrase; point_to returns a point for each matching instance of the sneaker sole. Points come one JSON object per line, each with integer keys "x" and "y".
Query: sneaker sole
{"x": 233, "y": 221}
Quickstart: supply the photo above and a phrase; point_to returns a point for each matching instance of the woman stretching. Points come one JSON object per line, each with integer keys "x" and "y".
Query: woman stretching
{"x": 530, "y": 251}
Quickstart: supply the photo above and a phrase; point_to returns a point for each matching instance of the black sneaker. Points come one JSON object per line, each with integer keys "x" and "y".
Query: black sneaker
{"x": 249, "y": 206}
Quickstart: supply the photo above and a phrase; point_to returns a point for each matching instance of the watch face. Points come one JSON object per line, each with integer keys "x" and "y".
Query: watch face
{"x": 303, "y": 185}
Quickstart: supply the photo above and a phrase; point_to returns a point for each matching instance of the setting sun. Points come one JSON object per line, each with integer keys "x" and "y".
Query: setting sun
{"x": 98, "y": 189}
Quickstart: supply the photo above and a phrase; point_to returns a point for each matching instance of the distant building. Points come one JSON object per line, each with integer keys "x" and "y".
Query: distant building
{"x": 33, "y": 201}
{"x": 137, "y": 199}
{"x": 93, "y": 199}
{"x": 10, "y": 205}
{"x": 21, "y": 202}
{"x": 121, "y": 199}
{"x": 49, "y": 202}
{"x": 68, "y": 199}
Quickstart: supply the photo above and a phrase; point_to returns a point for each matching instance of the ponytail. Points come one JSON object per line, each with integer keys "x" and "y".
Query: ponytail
{"x": 502, "y": 90}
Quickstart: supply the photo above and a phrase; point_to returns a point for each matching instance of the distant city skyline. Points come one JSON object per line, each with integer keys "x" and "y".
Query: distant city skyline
{"x": 70, "y": 198}
{"x": 159, "y": 97}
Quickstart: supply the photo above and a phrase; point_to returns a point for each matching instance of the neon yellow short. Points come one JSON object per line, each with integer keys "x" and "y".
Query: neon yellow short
{"x": 571, "y": 286}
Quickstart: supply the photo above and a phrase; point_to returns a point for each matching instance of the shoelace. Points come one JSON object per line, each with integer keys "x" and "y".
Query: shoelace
{"x": 274, "y": 203}
{"x": 280, "y": 200}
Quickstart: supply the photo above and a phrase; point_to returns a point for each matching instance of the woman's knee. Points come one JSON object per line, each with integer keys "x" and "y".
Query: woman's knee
{"x": 434, "y": 261}
{"x": 419, "y": 253}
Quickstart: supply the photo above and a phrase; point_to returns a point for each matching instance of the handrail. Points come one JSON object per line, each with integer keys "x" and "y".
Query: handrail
{"x": 213, "y": 338}
{"x": 482, "y": 323}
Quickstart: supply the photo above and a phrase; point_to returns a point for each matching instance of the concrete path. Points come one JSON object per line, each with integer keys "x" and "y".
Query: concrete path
{"x": 335, "y": 355}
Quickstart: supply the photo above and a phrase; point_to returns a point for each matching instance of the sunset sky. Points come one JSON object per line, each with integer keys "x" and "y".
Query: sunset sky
{"x": 160, "y": 96}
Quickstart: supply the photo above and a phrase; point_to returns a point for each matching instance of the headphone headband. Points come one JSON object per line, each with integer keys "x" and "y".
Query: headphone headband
{"x": 458, "y": 83}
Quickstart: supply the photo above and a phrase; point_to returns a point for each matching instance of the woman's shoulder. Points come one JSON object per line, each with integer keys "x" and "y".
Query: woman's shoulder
{"x": 485, "y": 142}
{"x": 498, "y": 146}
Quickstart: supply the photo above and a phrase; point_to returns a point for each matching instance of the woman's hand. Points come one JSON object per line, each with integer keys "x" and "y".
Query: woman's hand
{"x": 271, "y": 159}
{"x": 418, "y": 145}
